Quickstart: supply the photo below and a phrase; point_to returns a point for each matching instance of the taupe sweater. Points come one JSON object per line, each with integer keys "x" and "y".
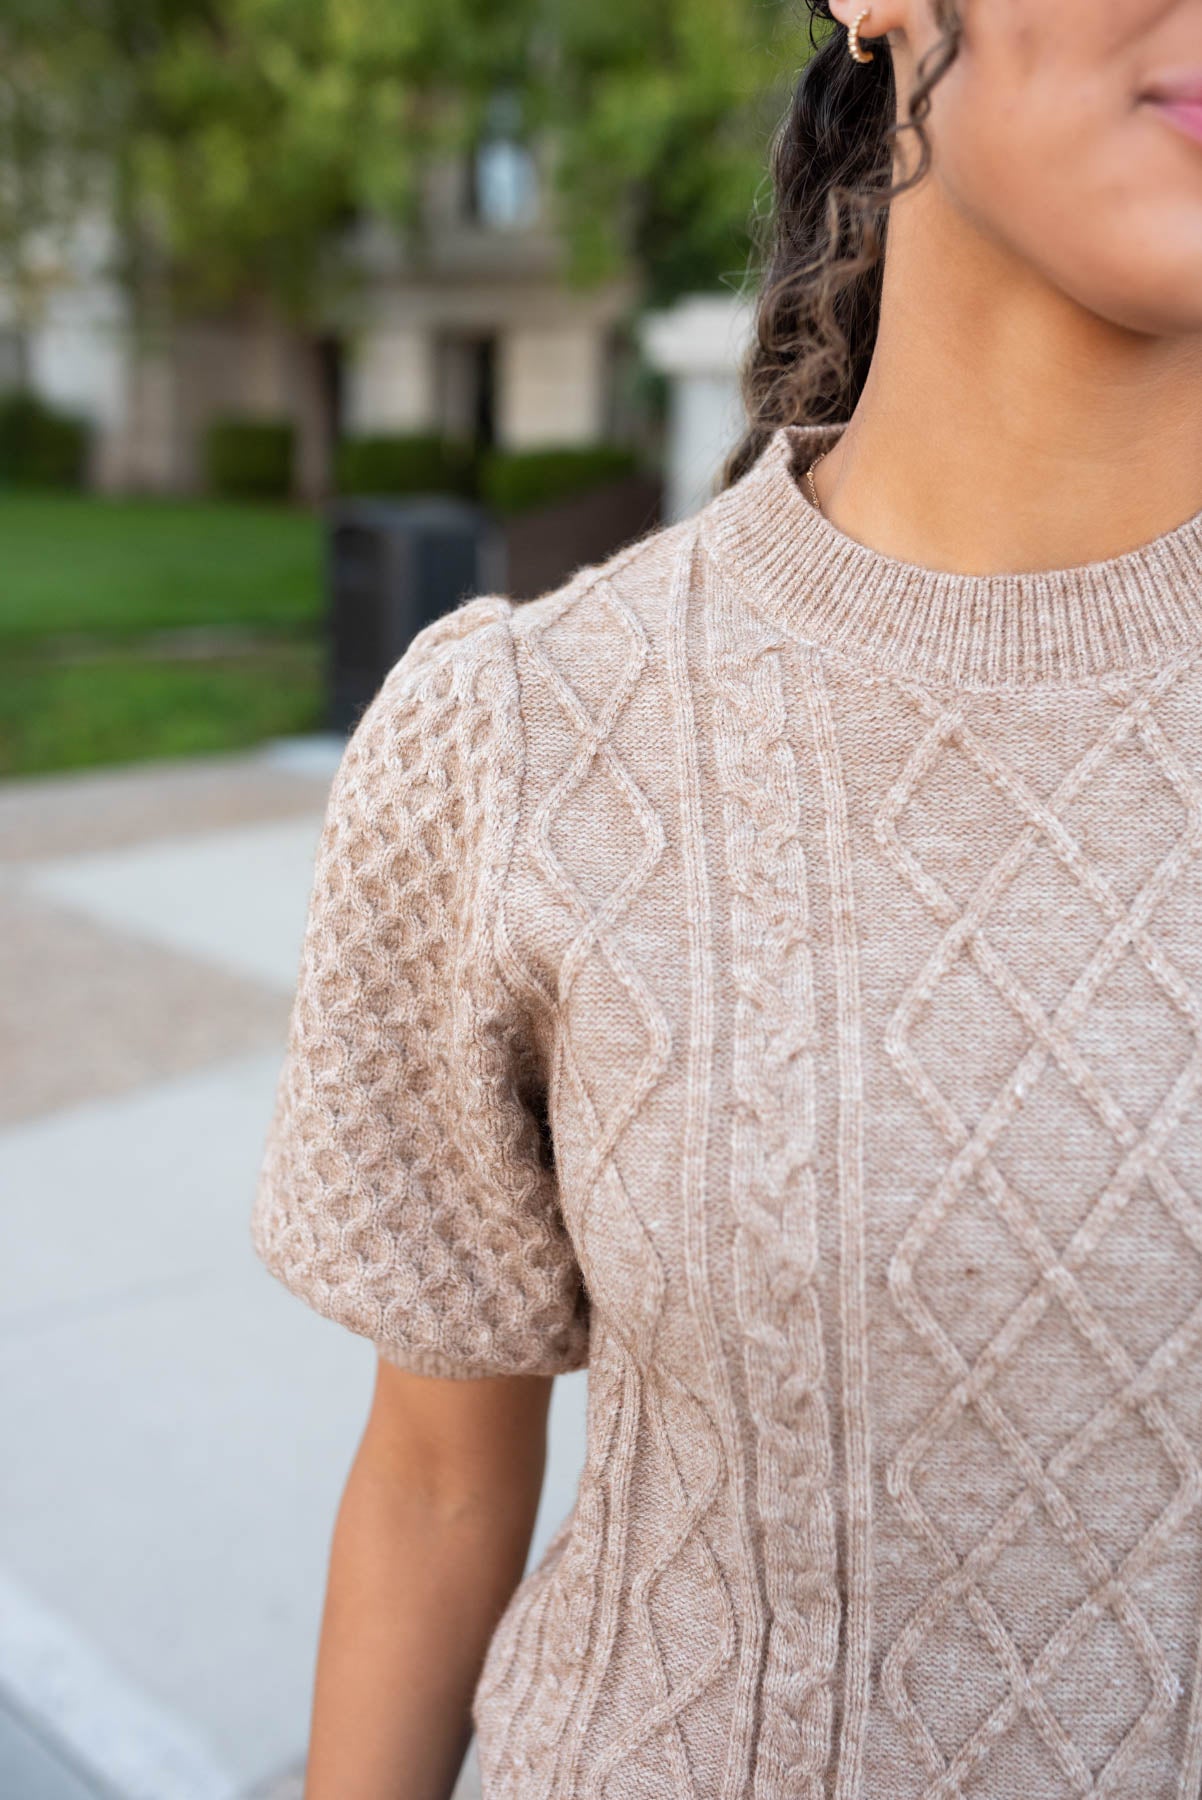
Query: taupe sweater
{"x": 771, "y": 973}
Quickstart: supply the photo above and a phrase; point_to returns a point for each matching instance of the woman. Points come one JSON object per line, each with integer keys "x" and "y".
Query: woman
{"x": 769, "y": 970}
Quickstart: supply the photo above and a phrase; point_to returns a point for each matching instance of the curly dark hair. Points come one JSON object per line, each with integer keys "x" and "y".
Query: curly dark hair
{"x": 833, "y": 167}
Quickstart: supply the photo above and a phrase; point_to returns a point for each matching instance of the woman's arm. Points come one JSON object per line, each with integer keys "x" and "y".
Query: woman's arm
{"x": 431, "y": 1539}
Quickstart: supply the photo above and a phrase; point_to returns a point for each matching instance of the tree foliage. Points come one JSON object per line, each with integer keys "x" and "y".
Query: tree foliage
{"x": 663, "y": 110}
{"x": 244, "y": 134}
{"x": 46, "y": 143}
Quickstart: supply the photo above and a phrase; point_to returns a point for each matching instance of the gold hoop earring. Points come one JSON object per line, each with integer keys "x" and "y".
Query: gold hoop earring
{"x": 853, "y": 38}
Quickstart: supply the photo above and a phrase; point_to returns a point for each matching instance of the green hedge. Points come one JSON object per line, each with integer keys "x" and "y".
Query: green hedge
{"x": 41, "y": 446}
{"x": 250, "y": 459}
{"x": 517, "y": 481}
{"x": 404, "y": 464}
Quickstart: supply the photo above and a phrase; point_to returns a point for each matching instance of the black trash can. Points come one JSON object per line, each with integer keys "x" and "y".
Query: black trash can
{"x": 391, "y": 567}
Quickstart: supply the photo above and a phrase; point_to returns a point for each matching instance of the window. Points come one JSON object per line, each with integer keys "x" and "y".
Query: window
{"x": 504, "y": 176}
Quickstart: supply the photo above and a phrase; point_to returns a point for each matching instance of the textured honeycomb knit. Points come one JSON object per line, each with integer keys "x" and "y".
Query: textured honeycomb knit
{"x": 770, "y": 974}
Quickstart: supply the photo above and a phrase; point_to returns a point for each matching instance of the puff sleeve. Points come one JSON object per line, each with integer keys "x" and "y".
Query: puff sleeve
{"x": 407, "y": 1187}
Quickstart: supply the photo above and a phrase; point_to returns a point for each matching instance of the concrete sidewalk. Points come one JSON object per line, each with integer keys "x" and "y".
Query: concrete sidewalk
{"x": 177, "y": 1427}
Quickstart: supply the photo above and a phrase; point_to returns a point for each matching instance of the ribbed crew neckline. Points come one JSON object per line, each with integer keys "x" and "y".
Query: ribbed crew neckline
{"x": 1129, "y": 613}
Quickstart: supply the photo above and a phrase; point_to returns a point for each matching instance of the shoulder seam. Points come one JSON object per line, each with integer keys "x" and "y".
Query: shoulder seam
{"x": 592, "y": 575}
{"x": 523, "y": 984}
{"x": 427, "y": 650}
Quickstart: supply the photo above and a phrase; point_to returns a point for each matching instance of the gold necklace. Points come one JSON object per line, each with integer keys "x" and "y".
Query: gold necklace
{"x": 810, "y": 480}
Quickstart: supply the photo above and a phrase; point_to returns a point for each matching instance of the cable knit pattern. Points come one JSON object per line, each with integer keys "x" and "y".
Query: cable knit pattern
{"x": 770, "y": 974}
{"x": 773, "y": 1195}
{"x": 404, "y": 1192}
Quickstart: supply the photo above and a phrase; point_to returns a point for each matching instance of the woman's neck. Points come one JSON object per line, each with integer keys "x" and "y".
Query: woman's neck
{"x": 1002, "y": 426}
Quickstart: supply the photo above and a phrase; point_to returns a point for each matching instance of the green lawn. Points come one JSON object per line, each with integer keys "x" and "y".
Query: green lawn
{"x": 77, "y": 563}
{"x": 91, "y": 591}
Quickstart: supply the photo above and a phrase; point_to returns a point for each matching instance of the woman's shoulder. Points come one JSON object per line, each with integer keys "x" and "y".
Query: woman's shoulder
{"x": 491, "y": 667}
{"x": 607, "y": 606}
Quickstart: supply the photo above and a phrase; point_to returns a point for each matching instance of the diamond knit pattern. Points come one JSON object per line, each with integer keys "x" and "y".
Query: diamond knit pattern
{"x": 1129, "y": 1380}
{"x": 769, "y": 976}
{"x": 658, "y": 1403}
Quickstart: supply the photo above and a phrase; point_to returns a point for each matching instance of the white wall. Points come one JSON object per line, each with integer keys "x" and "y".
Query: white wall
{"x": 550, "y": 385}
{"x": 78, "y": 351}
{"x": 390, "y": 380}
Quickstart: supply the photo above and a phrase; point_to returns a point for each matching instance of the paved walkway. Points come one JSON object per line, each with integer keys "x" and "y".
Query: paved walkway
{"x": 176, "y": 1426}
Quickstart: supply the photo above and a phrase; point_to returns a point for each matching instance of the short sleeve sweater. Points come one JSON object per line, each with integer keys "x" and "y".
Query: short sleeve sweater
{"x": 770, "y": 974}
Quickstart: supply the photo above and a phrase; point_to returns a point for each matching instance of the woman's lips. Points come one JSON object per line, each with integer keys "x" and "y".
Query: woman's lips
{"x": 1185, "y": 114}
{"x": 1179, "y": 97}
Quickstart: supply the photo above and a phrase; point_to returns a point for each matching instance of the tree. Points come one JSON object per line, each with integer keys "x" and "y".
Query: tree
{"x": 663, "y": 110}
{"x": 45, "y": 139}
{"x": 242, "y": 135}
{"x": 266, "y": 125}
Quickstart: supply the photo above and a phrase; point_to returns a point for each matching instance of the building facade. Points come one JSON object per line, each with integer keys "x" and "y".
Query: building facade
{"x": 467, "y": 328}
